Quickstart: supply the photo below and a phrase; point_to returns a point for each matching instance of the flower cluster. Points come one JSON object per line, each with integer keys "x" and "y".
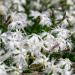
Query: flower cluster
{"x": 35, "y": 29}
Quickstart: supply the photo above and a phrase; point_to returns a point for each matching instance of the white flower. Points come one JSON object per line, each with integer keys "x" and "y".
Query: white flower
{"x": 70, "y": 2}
{"x": 38, "y": 60}
{"x": 7, "y": 3}
{"x": 70, "y": 17}
{"x": 20, "y": 62}
{"x": 15, "y": 73}
{"x": 34, "y": 45}
{"x": 20, "y": 8}
{"x": 12, "y": 40}
{"x": 5, "y": 56}
{"x": 58, "y": 14}
{"x": 52, "y": 68}
{"x": 64, "y": 34}
{"x": 2, "y": 70}
{"x": 64, "y": 23}
{"x": 36, "y": 4}
{"x": 63, "y": 67}
{"x": 54, "y": 2}
{"x": 3, "y": 10}
{"x": 17, "y": 25}
{"x": 65, "y": 62}
{"x": 62, "y": 43}
{"x": 19, "y": 1}
{"x": 44, "y": 17}
{"x": 50, "y": 43}
{"x": 45, "y": 20}
{"x": 67, "y": 66}
{"x": 19, "y": 21}
{"x": 5, "y": 6}
{"x": 18, "y": 16}
{"x": 61, "y": 32}
{"x": 35, "y": 14}
{"x": 67, "y": 72}
{"x": 43, "y": 61}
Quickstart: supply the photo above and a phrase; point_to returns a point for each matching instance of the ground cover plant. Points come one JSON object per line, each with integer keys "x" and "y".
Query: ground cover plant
{"x": 37, "y": 35}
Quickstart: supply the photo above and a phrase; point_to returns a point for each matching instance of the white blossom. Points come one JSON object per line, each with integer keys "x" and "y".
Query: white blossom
{"x": 3, "y": 10}
{"x": 44, "y": 17}
{"x": 62, "y": 43}
{"x": 35, "y": 14}
{"x": 2, "y": 70}
{"x": 63, "y": 67}
{"x": 61, "y": 32}
{"x": 17, "y": 47}
{"x": 50, "y": 43}
{"x": 19, "y": 21}
{"x": 45, "y": 20}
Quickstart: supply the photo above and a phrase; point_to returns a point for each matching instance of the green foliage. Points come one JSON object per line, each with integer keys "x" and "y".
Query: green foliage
{"x": 69, "y": 55}
{"x": 36, "y": 27}
{"x": 9, "y": 61}
{"x": 55, "y": 55}
{"x": 73, "y": 41}
{"x": 64, "y": 5}
{"x": 63, "y": 54}
{"x": 3, "y": 26}
{"x": 27, "y": 71}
